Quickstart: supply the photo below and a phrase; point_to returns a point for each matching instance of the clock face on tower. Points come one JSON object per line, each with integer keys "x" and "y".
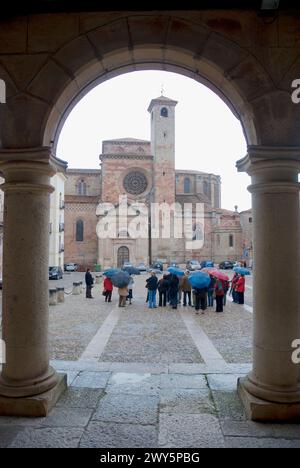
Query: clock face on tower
{"x": 135, "y": 183}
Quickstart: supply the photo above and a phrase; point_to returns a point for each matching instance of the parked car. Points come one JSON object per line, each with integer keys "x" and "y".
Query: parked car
{"x": 207, "y": 264}
{"x": 127, "y": 264}
{"x": 226, "y": 265}
{"x": 55, "y": 272}
{"x": 142, "y": 267}
{"x": 173, "y": 263}
{"x": 158, "y": 265}
{"x": 193, "y": 265}
{"x": 71, "y": 267}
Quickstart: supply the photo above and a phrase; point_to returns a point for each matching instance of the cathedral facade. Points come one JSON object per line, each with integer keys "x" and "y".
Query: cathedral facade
{"x": 137, "y": 173}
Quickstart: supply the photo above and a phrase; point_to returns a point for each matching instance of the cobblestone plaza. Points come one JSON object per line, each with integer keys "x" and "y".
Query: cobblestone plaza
{"x": 147, "y": 378}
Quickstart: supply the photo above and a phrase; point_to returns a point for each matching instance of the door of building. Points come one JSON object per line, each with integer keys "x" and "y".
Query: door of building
{"x": 123, "y": 255}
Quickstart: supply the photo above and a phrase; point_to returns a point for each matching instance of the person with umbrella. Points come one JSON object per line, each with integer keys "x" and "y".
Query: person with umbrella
{"x": 211, "y": 291}
{"x": 187, "y": 290}
{"x": 151, "y": 284}
{"x": 240, "y": 289}
{"x": 121, "y": 281}
{"x": 200, "y": 282}
{"x": 200, "y": 299}
{"x": 163, "y": 286}
{"x": 108, "y": 289}
{"x": 219, "y": 290}
{"x": 123, "y": 293}
{"x": 233, "y": 285}
{"x": 173, "y": 290}
{"x": 130, "y": 288}
{"x": 89, "y": 281}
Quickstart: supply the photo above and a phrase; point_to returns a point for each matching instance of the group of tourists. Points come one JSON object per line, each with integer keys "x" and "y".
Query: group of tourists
{"x": 173, "y": 290}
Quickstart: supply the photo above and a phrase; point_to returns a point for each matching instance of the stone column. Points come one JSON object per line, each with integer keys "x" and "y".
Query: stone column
{"x": 28, "y": 385}
{"x": 272, "y": 390}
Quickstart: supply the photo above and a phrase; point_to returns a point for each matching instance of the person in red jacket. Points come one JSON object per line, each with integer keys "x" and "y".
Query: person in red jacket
{"x": 219, "y": 291}
{"x": 240, "y": 289}
{"x": 108, "y": 289}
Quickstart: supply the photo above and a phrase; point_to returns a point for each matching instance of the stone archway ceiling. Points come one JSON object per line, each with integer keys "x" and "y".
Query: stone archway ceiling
{"x": 270, "y": 4}
{"x": 61, "y": 6}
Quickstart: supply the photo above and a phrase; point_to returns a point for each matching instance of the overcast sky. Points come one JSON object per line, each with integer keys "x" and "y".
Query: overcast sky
{"x": 209, "y": 138}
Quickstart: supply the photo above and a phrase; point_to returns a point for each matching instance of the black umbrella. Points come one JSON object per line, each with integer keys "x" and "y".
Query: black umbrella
{"x": 132, "y": 270}
{"x": 121, "y": 279}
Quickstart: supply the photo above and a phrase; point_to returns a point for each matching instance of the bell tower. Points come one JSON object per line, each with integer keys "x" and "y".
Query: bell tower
{"x": 162, "y": 110}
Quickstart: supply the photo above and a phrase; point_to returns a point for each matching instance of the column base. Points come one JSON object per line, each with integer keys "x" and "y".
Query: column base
{"x": 34, "y": 406}
{"x": 264, "y": 411}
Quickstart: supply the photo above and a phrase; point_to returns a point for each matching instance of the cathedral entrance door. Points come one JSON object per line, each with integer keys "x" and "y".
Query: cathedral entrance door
{"x": 123, "y": 256}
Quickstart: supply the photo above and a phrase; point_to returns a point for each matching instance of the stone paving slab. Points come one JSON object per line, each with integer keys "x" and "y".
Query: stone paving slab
{"x": 183, "y": 381}
{"x": 81, "y": 366}
{"x": 138, "y": 367}
{"x": 186, "y": 401}
{"x": 91, "y": 379}
{"x": 255, "y": 429}
{"x": 140, "y": 384}
{"x": 190, "y": 431}
{"x": 223, "y": 382}
{"x": 71, "y": 375}
{"x": 48, "y": 438}
{"x": 80, "y": 398}
{"x": 106, "y": 435}
{"x": 8, "y": 434}
{"x": 252, "y": 442}
{"x": 229, "y": 406}
{"x": 129, "y": 409}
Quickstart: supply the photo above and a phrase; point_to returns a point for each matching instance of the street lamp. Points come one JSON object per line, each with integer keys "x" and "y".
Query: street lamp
{"x": 149, "y": 200}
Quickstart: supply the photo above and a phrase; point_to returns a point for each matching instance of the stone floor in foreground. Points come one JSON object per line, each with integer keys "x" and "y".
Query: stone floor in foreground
{"x": 148, "y": 378}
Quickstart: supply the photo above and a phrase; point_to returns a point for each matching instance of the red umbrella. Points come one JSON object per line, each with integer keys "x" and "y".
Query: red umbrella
{"x": 218, "y": 274}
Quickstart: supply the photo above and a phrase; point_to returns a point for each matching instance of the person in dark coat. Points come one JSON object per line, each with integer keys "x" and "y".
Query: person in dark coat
{"x": 211, "y": 290}
{"x": 173, "y": 290}
{"x": 163, "y": 286}
{"x": 186, "y": 289}
{"x": 219, "y": 288}
{"x": 151, "y": 284}
{"x": 89, "y": 280}
{"x": 200, "y": 299}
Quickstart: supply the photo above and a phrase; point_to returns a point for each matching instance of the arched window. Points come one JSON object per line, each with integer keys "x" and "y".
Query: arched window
{"x": 81, "y": 187}
{"x": 230, "y": 240}
{"x": 79, "y": 230}
{"x": 164, "y": 112}
{"x": 187, "y": 185}
{"x": 197, "y": 232}
{"x": 205, "y": 188}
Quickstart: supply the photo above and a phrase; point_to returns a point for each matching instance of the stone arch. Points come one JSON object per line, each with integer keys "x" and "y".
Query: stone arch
{"x": 108, "y": 45}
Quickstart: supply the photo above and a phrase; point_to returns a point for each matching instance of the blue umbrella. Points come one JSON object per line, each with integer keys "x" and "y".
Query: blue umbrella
{"x": 175, "y": 271}
{"x": 132, "y": 270}
{"x": 242, "y": 271}
{"x": 121, "y": 279}
{"x": 198, "y": 279}
{"x": 111, "y": 271}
